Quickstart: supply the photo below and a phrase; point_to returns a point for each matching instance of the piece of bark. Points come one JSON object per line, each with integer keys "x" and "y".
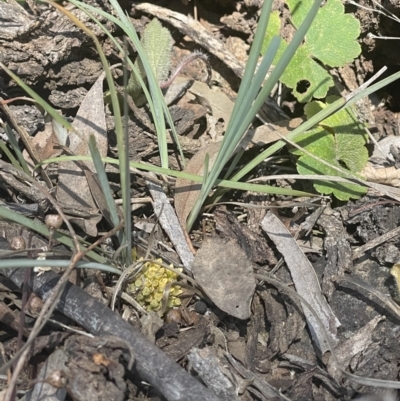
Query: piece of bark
{"x": 43, "y": 49}
{"x": 338, "y": 251}
{"x": 254, "y": 245}
{"x": 214, "y": 373}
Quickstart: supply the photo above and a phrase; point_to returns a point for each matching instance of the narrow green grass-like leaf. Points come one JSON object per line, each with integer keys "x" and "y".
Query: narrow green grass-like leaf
{"x": 149, "y": 97}
{"x": 317, "y": 118}
{"x": 55, "y": 114}
{"x": 233, "y": 183}
{"x": 159, "y": 106}
{"x": 40, "y": 228}
{"x": 11, "y": 157}
{"x": 103, "y": 180}
{"x": 222, "y": 183}
{"x": 155, "y": 90}
{"x": 236, "y": 130}
{"x": 250, "y": 96}
{"x": 16, "y": 148}
{"x": 245, "y": 95}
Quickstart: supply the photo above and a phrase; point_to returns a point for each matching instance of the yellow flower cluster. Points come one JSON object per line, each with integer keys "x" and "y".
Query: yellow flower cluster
{"x": 150, "y": 284}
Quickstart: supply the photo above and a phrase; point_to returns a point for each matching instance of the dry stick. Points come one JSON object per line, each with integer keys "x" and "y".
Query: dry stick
{"x": 152, "y": 364}
{"x": 25, "y": 294}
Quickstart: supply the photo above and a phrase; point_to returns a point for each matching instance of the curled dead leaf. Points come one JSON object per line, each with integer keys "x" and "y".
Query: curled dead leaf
{"x": 187, "y": 191}
{"x": 386, "y": 175}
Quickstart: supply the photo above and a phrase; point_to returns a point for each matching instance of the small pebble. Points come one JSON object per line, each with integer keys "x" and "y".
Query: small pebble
{"x": 200, "y": 307}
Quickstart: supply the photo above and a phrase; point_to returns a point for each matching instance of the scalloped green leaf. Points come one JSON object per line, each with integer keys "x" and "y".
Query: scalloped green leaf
{"x": 331, "y": 39}
{"x": 340, "y": 140}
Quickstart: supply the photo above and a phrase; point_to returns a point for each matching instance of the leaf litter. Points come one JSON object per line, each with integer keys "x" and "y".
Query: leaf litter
{"x": 258, "y": 355}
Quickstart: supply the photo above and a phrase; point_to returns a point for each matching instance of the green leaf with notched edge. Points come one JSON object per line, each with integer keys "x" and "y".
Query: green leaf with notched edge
{"x": 339, "y": 140}
{"x": 331, "y": 39}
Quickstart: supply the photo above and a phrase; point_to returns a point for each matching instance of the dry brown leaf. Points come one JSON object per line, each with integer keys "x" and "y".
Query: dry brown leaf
{"x": 220, "y": 104}
{"x": 387, "y": 175}
{"x": 45, "y": 144}
{"x": 268, "y": 133}
{"x": 225, "y": 273}
{"x": 305, "y": 281}
{"x": 73, "y": 189}
{"x": 187, "y": 191}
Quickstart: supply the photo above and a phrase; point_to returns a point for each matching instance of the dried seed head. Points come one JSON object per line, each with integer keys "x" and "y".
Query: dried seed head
{"x": 57, "y": 379}
{"x": 53, "y": 221}
{"x": 17, "y": 243}
{"x": 35, "y": 305}
{"x": 173, "y": 316}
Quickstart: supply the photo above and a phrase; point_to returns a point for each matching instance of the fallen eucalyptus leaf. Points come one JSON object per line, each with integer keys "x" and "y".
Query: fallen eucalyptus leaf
{"x": 305, "y": 281}
{"x": 73, "y": 188}
{"x": 170, "y": 224}
{"x": 222, "y": 268}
